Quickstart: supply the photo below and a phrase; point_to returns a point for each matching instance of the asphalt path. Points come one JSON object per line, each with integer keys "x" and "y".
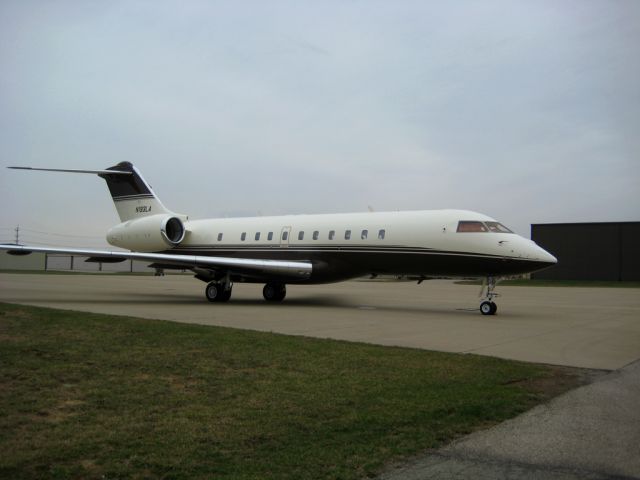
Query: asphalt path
{"x": 591, "y": 433}
{"x": 596, "y": 328}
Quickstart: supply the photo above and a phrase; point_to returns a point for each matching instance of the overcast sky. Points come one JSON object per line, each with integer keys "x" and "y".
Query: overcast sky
{"x": 527, "y": 111}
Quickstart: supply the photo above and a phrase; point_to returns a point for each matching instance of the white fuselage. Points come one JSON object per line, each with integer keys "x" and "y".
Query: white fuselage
{"x": 434, "y": 229}
{"x": 352, "y": 244}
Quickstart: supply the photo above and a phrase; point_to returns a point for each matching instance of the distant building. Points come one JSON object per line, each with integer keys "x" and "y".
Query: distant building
{"x": 590, "y": 251}
{"x": 42, "y": 261}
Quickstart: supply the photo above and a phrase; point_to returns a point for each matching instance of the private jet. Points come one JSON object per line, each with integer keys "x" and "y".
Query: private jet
{"x": 305, "y": 249}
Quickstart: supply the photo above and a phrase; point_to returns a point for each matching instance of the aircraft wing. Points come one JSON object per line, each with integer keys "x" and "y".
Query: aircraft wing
{"x": 297, "y": 269}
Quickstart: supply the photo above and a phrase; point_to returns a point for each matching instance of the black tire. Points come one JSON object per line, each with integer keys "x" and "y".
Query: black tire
{"x": 274, "y": 292}
{"x": 225, "y": 295}
{"x": 212, "y": 291}
{"x": 486, "y": 308}
{"x": 215, "y": 292}
{"x": 494, "y": 308}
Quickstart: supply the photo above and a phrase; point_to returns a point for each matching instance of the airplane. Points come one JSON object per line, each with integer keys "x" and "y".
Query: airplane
{"x": 304, "y": 249}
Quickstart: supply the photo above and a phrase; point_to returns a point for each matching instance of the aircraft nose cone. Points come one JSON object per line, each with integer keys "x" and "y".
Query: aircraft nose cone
{"x": 545, "y": 257}
{"x": 537, "y": 253}
{"x": 550, "y": 258}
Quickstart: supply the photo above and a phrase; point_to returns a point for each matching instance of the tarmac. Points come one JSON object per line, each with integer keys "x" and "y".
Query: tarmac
{"x": 592, "y": 432}
{"x": 597, "y": 328}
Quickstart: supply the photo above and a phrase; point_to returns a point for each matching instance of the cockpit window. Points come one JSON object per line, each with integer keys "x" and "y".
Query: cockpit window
{"x": 471, "y": 226}
{"x": 498, "y": 227}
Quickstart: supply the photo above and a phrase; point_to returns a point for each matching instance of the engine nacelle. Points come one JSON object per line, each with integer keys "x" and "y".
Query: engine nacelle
{"x": 148, "y": 234}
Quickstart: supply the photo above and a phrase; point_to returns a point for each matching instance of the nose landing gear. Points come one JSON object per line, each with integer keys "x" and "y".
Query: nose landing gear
{"x": 488, "y": 306}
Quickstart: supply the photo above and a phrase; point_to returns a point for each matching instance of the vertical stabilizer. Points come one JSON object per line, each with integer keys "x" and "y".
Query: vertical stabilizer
{"x": 132, "y": 195}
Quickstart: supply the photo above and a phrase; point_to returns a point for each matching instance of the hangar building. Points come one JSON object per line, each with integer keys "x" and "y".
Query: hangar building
{"x": 590, "y": 251}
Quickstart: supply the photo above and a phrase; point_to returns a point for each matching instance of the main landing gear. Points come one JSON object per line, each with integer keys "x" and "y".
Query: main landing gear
{"x": 488, "y": 306}
{"x": 274, "y": 292}
{"x": 220, "y": 291}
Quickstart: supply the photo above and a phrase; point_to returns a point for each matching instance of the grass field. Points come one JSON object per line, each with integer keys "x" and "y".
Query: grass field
{"x": 95, "y": 396}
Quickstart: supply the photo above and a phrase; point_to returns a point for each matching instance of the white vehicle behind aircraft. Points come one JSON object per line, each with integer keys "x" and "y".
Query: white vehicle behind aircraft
{"x": 305, "y": 249}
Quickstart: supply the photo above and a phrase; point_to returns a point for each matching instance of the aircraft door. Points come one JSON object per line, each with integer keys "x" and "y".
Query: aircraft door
{"x": 285, "y": 235}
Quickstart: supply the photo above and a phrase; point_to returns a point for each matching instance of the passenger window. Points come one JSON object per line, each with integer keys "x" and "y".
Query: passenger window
{"x": 285, "y": 235}
{"x": 347, "y": 234}
{"x": 363, "y": 235}
{"x": 300, "y": 235}
{"x": 381, "y": 234}
{"x": 243, "y": 237}
{"x": 332, "y": 234}
{"x": 257, "y": 236}
{"x": 219, "y": 237}
{"x": 316, "y": 234}
{"x": 270, "y": 236}
{"x": 466, "y": 226}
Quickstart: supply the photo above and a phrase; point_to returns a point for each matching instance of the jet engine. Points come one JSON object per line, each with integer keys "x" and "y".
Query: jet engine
{"x": 148, "y": 234}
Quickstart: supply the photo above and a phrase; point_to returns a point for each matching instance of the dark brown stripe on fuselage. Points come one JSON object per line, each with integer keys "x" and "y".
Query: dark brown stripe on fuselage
{"x": 333, "y": 263}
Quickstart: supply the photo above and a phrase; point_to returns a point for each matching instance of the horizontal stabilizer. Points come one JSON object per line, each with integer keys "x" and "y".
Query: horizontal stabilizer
{"x": 132, "y": 195}
{"x": 66, "y": 170}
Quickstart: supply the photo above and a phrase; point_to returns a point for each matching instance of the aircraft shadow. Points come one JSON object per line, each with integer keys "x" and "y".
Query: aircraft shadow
{"x": 333, "y": 303}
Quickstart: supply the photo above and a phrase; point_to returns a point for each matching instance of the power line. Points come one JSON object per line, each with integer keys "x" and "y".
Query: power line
{"x": 52, "y": 233}
{"x": 53, "y": 244}
{"x": 40, "y": 238}
{"x": 60, "y": 234}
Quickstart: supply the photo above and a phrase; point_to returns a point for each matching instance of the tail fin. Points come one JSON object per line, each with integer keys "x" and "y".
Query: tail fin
{"x": 132, "y": 195}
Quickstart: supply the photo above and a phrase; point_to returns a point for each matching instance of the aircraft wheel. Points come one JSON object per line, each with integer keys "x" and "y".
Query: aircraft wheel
{"x": 494, "y": 308}
{"x": 225, "y": 295}
{"x": 274, "y": 292}
{"x": 215, "y": 292}
{"x": 486, "y": 308}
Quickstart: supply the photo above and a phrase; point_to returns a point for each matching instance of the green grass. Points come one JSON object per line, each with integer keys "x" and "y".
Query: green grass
{"x": 94, "y": 396}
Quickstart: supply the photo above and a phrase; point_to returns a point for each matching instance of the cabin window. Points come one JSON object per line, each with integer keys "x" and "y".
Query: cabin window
{"x": 270, "y": 236}
{"x": 257, "y": 236}
{"x": 300, "y": 235}
{"x": 285, "y": 235}
{"x": 243, "y": 237}
{"x": 497, "y": 227}
{"x": 363, "y": 235}
{"x": 332, "y": 234}
{"x": 466, "y": 226}
{"x": 316, "y": 234}
{"x": 219, "y": 237}
{"x": 347, "y": 234}
{"x": 381, "y": 234}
